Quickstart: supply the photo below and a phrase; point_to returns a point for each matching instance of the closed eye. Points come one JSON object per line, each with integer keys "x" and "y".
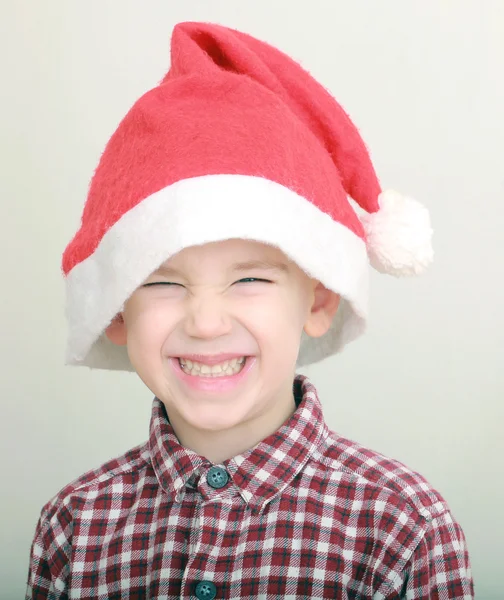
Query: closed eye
{"x": 252, "y": 279}
{"x": 161, "y": 283}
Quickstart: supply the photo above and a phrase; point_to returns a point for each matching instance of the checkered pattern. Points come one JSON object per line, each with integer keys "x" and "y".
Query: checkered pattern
{"x": 305, "y": 514}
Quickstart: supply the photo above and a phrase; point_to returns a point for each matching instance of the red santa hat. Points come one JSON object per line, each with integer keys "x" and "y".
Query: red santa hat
{"x": 237, "y": 141}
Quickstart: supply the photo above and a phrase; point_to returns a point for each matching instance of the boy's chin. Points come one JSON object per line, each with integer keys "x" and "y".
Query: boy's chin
{"x": 217, "y": 421}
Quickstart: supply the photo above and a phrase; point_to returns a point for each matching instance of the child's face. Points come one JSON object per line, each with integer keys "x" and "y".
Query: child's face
{"x": 234, "y": 297}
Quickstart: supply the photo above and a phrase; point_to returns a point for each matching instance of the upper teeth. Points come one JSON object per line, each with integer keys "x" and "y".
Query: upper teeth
{"x": 228, "y": 366}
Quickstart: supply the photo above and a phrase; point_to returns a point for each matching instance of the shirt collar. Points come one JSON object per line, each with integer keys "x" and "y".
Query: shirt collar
{"x": 259, "y": 473}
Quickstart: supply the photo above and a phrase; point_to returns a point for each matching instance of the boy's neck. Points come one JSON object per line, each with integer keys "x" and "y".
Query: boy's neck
{"x": 218, "y": 446}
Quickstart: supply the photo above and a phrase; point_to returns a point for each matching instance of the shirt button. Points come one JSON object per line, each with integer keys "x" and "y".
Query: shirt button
{"x": 217, "y": 477}
{"x": 206, "y": 590}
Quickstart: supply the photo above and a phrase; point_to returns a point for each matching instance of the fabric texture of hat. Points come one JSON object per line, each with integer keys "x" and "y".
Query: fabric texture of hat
{"x": 236, "y": 141}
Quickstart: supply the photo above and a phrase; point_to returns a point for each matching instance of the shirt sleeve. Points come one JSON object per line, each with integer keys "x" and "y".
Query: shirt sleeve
{"x": 49, "y": 560}
{"x": 439, "y": 567}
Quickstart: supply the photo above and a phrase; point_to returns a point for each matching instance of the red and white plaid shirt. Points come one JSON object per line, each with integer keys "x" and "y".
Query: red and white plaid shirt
{"x": 304, "y": 514}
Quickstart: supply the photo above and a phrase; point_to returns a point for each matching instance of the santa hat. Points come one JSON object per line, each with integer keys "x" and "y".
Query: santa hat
{"x": 237, "y": 141}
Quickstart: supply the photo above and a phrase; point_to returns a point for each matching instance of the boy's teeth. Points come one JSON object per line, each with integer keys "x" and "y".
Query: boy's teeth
{"x": 228, "y": 367}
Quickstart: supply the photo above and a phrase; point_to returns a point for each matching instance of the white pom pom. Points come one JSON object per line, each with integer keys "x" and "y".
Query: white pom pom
{"x": 399, "y": 235}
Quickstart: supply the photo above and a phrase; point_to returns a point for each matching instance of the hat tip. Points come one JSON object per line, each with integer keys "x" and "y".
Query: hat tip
{"x": 399, "y": 236}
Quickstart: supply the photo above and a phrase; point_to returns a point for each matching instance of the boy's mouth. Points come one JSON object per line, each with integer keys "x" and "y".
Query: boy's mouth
{"x": 227, "y": 368}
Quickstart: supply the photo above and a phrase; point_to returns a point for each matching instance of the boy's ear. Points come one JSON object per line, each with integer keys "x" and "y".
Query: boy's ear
{"x": 324, "y": 306}
{"x": 116, "y": 331}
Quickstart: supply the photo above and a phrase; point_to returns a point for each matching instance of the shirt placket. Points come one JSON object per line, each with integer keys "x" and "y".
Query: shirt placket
{"x": 210, "y": 536}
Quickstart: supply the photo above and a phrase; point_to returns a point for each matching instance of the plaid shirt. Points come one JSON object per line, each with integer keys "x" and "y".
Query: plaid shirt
{"x": 304, "y": 514}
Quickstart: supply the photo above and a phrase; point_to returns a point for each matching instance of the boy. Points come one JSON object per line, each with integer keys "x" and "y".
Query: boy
{"x": 217, "y": 251}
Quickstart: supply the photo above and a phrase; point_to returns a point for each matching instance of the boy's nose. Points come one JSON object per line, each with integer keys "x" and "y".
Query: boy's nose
{"x": 206, "y": 318}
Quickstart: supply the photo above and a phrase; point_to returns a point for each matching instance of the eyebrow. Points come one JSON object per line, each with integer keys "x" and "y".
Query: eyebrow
{"x": 260, "y": 264}
{"x": 248, "y": 265}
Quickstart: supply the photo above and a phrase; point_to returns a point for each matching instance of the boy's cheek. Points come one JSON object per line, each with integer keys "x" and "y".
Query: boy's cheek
{"x": 146, "y": 331}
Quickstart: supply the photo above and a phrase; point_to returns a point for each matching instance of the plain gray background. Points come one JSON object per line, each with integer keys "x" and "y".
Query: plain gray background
{"x": 423, "y": 81}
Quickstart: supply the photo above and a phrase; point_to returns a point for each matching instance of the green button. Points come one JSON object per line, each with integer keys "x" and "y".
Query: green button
{"x": 206, "y": 590}
{"x": 217, "y": 477}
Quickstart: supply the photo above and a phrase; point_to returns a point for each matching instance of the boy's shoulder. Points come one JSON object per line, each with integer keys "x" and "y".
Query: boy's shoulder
{"x": 379, "y": 478}
{"x": 127, "y": 466}
{"x": 368, "y": 475}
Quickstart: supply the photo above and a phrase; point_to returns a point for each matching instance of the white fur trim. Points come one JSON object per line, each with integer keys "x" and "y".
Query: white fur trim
{"x": 192, "y": 212}
{"x": 399, "y": 235}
